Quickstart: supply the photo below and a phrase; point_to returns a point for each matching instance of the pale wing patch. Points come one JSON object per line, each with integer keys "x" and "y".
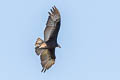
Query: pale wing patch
{"x": 50, "y": 22}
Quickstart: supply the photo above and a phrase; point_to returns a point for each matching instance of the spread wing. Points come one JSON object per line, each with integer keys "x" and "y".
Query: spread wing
{"x": 47, "y": 58}
{"x": 52, "y": 25}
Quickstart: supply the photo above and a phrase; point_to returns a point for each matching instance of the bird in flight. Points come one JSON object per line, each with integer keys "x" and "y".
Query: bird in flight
{"x": 46, "y": 48}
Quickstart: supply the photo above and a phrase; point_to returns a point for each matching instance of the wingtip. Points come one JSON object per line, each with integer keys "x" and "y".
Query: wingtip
{"x": 49, "y": 13}
{"x": 54, "y": 6}
{"x": 43, "y": 70}
{"x": 51, "y": 10}
{"x": 38, "y": 41}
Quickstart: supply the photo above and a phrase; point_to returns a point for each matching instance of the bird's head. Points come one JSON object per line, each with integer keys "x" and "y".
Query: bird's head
{"x": 58, "y": 46}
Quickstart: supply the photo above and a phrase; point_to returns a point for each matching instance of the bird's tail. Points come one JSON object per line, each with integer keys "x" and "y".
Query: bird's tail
{"x": 37, "y": 45}
{"x": 38, "y": 42}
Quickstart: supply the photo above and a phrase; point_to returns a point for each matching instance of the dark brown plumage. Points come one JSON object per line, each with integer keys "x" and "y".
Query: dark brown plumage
{"x": 46, "y": 48}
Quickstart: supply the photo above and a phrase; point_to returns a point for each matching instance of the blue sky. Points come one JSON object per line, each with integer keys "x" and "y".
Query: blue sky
{"x": 89, "y": 37}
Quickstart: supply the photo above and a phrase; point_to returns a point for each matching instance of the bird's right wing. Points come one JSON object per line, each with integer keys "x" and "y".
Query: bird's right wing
{"x": 47, "y": 59}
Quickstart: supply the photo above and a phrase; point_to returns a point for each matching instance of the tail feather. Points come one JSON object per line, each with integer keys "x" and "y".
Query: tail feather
{"x": 37, "y": 45}
{"x": 38, "y": 42}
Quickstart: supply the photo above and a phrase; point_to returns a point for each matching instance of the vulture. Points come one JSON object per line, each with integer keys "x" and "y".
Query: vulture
{"x": 46, "y": 48}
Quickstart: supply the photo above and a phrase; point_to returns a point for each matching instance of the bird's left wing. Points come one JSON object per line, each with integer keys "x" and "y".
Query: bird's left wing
{"x": 52, "y": 25}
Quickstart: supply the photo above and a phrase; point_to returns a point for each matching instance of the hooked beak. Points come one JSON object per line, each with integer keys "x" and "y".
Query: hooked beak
{"x": 59, "y": 46}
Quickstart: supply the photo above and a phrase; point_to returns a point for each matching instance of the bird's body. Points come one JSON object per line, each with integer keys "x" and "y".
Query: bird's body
{"x": 46, "y": 48}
